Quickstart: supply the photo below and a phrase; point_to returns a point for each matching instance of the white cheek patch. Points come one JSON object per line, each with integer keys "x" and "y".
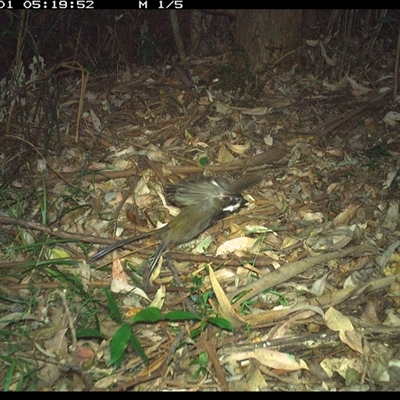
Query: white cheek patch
{"x": 232, "y": 207}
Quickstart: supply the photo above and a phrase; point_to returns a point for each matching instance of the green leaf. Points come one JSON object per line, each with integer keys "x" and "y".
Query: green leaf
{"x": 139, "y": 349}
{"x": 203, "y": 325}
{"x": 9, "y": 377}
{"x": 203, "y": 359}
{"x": 195, "y": 332}
{"x": 89, "y": 332}
{"x": 112, "y": 306}
{"x": 222, "y": 323}
{"x": 119, "y": 343}
{"x": 150, "y": 315}
{"x": 203, "y": 161}
{"x": 181, "y": 315}
{"x": 59, "y": 253}
{"x": 239, "y": 296}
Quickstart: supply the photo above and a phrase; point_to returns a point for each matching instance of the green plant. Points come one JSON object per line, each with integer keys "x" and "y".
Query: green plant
{"x": 124, "y": 335}
{"x": 202, "y": 362}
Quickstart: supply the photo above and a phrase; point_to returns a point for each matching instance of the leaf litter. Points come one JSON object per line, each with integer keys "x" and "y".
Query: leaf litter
{"x": 311, "y": 288}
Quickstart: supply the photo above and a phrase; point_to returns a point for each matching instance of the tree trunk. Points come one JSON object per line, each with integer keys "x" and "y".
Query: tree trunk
{"x": 268, "y": 35}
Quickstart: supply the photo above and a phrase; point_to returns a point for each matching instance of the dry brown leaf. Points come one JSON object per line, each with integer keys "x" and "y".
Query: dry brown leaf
{"x": 224, "y": 304}
{"x": 355, "y": 341}
{"x": 341, "y": 365}
{"x": 223, "y": 275}
{"x": 255, "y": 111}
{"x": 269, "y": 358}
{"x": 119, "y": 282}
{"x": 95, "y": 120}
{"x": 238, "y": 244}
{"x": 346, "y": 215}
{"x": 238, "y": 148}
{"x": 336, "y": 321}
{"x": 224, "y": 156}
{"x": 159, "y": 298}
{"x": 16, "y": 317}
{"x": 254, "y": 379}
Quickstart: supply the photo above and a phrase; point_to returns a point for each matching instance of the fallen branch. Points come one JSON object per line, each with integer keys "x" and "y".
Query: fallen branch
{"x": 291, "y": 270}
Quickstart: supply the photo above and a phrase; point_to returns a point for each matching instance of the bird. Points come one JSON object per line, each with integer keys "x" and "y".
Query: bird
{"x": 204, "y": 202}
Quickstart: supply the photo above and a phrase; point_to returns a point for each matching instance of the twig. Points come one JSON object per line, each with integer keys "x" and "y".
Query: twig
{"x": 290, "y": 270}
{"x": 55, "y": 233}
{"x": 215, "y": 362}
{"x": 42, "y": 156}
{"x": 329, "y": 126}
{"x": 268, "y": 157}
{"x": 261, "y": 262}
